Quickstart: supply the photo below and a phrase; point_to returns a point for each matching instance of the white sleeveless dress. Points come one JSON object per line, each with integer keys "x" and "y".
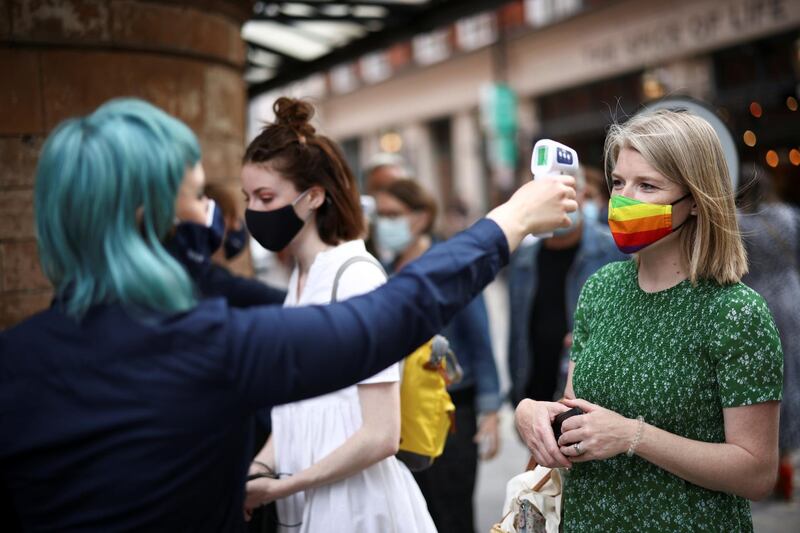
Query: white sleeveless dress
{"x": 383, "y": 498}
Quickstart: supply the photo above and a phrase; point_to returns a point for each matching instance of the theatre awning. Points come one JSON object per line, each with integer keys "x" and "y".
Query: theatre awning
{"x": 288, "y": 41}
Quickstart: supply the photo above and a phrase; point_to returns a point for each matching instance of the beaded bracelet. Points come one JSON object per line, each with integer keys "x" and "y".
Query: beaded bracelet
{"x": 636, "y": 438}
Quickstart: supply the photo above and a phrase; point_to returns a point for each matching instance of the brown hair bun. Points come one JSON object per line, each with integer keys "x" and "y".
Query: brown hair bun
{"x": 295, "y": 114}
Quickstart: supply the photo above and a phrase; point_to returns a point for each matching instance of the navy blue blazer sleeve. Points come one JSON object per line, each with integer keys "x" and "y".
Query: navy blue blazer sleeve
{"x": 218, "y": 281}
{"x": 213, "y": 281}
{"x": 279, "y": 355}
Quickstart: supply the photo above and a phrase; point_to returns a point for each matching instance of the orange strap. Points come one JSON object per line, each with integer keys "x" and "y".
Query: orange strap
{"x": 532, "y": 464}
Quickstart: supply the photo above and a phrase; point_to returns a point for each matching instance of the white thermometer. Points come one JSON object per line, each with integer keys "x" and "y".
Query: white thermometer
{"x": 550, "y": 157}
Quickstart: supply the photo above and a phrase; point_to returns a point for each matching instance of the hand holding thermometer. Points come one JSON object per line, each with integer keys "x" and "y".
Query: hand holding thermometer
{"x": 550, "y": 157}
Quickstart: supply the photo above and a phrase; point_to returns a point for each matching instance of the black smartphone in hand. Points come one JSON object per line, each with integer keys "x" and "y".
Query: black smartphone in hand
{"x": 560, "y": 419}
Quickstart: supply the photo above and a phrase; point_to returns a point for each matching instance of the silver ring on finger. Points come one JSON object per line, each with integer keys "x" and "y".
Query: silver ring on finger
{"x": 578, "y": 448}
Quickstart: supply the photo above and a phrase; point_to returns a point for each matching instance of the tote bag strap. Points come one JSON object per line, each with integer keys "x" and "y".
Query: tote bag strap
{"x": 532, "y": 464}
{"x": 345, "y": 265}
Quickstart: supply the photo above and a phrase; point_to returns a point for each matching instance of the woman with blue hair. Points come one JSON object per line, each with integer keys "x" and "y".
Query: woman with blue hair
{"x": 126, "y": 405}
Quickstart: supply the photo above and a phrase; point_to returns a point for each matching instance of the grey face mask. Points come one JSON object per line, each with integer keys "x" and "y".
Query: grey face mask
{"x": 393, "y": 234}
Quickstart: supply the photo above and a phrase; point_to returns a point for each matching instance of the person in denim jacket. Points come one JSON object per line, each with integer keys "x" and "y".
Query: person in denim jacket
{"x": 570, "y": 257}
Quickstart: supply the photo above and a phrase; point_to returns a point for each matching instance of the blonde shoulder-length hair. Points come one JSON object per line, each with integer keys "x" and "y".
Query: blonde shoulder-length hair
{"x": 685, "y": 149}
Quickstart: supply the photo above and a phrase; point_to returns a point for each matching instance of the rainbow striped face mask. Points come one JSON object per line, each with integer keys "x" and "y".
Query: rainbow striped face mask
{"x": 636, "y": 224}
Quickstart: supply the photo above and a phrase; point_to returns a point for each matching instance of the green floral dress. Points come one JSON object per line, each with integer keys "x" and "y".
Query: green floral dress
{"x": 677, "y": 358}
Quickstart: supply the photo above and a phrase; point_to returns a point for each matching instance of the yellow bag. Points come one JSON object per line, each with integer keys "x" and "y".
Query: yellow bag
{"x": 426, "y": 410}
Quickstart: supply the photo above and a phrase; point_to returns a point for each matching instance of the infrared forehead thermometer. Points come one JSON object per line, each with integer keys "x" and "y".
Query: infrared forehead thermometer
{"x": 550, "y": 157}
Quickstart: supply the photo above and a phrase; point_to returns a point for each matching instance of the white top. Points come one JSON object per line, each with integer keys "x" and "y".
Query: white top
{"x": 383, "y": 498}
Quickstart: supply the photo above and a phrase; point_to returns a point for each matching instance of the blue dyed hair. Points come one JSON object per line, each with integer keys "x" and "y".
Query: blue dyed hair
{"x": 105, "y": 195}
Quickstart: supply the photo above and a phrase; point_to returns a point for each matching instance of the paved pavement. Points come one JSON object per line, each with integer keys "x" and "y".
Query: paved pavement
{"x": 769, "y": 516}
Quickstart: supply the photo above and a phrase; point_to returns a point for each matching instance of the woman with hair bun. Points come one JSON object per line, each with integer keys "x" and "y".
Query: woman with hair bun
{"x": 333, "y": 455}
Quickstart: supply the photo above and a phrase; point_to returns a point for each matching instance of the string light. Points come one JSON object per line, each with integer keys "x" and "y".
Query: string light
{"x": 749, "y": 138}
{"x": 794, "y": 157}
{"x": 791, "y": 103}
{"x": 772, "y": 158}
{"x": 755, "y": 109}
{"x": 652, "y": 87}
{"x": 391, "y": 142}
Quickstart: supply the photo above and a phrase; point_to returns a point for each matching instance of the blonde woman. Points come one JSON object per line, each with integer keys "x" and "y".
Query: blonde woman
{"x": 676, "y": 364}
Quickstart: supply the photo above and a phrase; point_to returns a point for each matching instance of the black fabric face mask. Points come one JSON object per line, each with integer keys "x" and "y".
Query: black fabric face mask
{"x": 275, "y": 229}
{"x": 198, "y": 242}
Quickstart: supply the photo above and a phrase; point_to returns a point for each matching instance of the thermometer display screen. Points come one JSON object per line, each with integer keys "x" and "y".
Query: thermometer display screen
{"x": 541, "y": 156}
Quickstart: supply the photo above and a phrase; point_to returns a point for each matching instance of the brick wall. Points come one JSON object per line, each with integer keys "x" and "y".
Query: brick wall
{"x": 61, "y": 58}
